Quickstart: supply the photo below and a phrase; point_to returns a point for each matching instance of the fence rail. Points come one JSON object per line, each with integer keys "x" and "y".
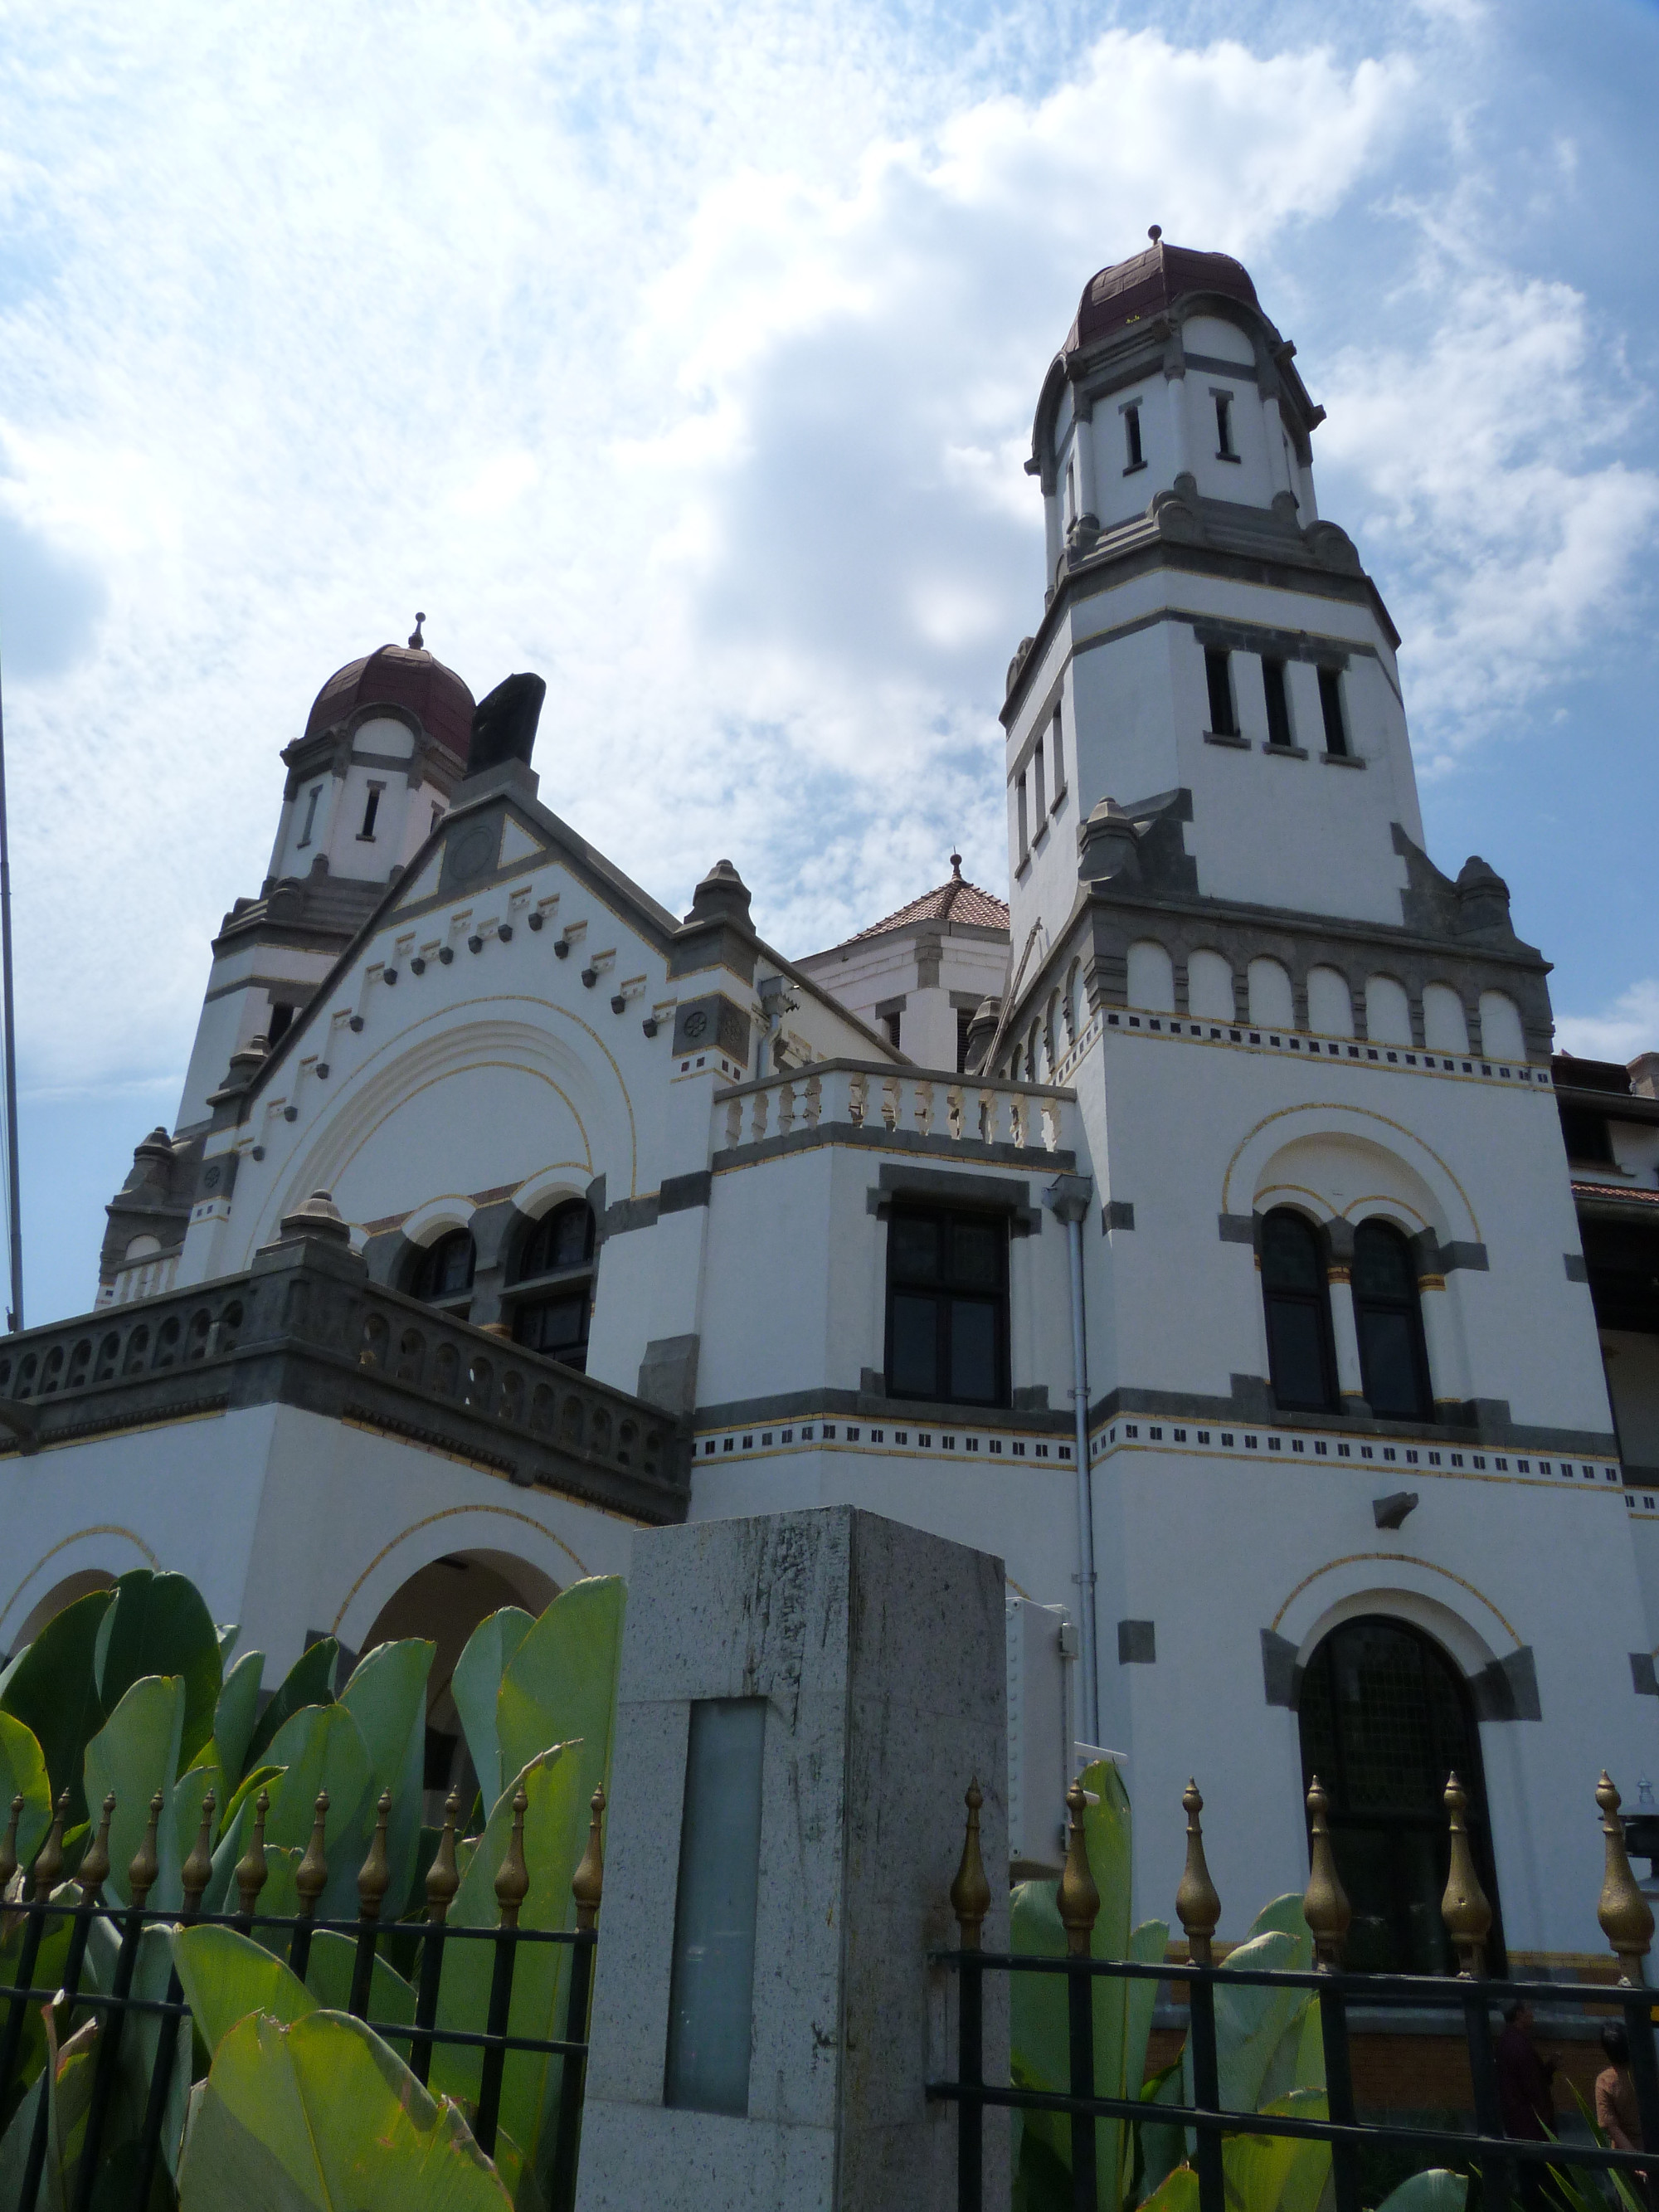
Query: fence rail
{"x": 43, "y": 1904}
{"x": 1626, "y": 1918}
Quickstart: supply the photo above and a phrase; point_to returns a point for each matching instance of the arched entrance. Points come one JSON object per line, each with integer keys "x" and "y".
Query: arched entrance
{"x": 445, "y": 1601}
{"x": 1385, "y": 1716}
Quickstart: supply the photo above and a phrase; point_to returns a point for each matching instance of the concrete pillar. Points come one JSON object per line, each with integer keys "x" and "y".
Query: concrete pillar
{"x": 1179, "y": 441}
{"x": 763, "y": 2005}
{"x": 1279, "y": 474}
{"x": 1448, "y": 1383}
{"x": 1349, "y": 1382}
{"x": 1088, "y": 495}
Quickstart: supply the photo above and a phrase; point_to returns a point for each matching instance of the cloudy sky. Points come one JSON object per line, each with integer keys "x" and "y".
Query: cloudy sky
{"x": 687, "y": 353}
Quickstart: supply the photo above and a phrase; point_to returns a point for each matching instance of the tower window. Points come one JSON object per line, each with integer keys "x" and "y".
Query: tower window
{"x": 373, "y": 807}
{"x": 281, "y": 1021}
{"x": 557, "y": 1257}
{"x": 1022, "y": 814}
{"x": 1330, "y": 706}
{"x": 1278, "y": 706}
{"x": 964, "y": 1023}
{"x": 1137, "y": 458}
{"x": 1058, "y": 756}
{"x": 890, "y": 1028}
{"x": 947, "y": 1307}
{"x": 311, "y": 813}
{"x": 1223, "y": 426}
{"x": 1040, "y": 782}
{"x": 1300, "y": 1357}
{"x": 1070, "y": 491}
{"x": 442, "y": 1273}
{"x": 1393, "y": 1364}
{"x": 1224, "y": 723}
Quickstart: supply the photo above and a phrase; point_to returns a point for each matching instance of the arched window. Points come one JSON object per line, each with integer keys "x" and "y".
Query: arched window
{"x": 442, "y": 1272}
{"x": 1299, "y": 1310}
{"x": 552, "y": 1292}
{"x": 1385, "y": 1718}
{"x": 1393, "y": 1363}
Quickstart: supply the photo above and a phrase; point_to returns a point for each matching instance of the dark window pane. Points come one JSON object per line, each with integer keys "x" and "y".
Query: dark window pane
{"x": 1586, "y": 1133}
{"x": 915, "y": 1242}
{"x": 915, "y": 1369}
{"x": 1330, "y": 708}
{"x": 1279, "y": 709}
{"x": 571, "y": 1239}
{"x": 1221, "y": 693}
{"x": 974, "y": 1376}
{"x": 1383, "y": 1264}
{"x": 976, "y": 1254}
{"x": 445, "y": 1269}
{"x": 1296, "y": 1353}
{"x": 1290, "y": 1258}
{"x": 1388, "y": 1362}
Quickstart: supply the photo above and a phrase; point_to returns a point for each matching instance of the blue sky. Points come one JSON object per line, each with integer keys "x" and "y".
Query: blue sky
{"x": 687, "y": 353}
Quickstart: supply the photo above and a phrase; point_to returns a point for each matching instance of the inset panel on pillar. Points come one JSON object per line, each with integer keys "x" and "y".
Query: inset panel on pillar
{"x": 711, "y": 1994}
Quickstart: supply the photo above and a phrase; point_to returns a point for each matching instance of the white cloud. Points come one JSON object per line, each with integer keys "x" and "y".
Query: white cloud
{"x": 1629, "y": 1026}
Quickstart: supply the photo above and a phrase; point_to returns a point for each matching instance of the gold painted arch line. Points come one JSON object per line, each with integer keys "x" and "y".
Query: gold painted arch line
{"x": 1400, "y": 1558}
{"x": 448, "y": 1513}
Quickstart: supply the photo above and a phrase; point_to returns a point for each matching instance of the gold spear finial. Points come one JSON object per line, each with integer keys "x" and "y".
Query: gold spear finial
{"x": 513, "y": 1878}
{"x": 94, "y": 1860}
{"x": 251, "y": 1868}
{"x": 311, "y": 1876}
{"x": 1325, "y": 1904}
{"x": 1078, "y": 1898}
{"x": 1625, "y": 1915}
{"x": 970, "y": 1893}
{"x": 587, "y": 1883}
{"x": 1197, "y": 1906}
{"x": 1464, "y": 1908}
{"x": 146, "y": 1860}
{"x": 49, "y": 1859}
{"x": 442, "y": 1878}
{"x": 197, "y": 1869}
{"x": 374, "y": 1877}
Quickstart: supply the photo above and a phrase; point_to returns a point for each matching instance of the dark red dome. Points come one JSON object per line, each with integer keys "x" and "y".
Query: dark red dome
{"x": 399, "y": 676}
{"x": 1150, "y": 284}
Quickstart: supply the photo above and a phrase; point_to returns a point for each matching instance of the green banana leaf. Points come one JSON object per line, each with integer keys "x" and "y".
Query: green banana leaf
{"x": 51, "y": 1688}
{"x": 140, "y": 2041}
{"x": 560, "y": 1685}
{"x": 136, "y": 1753}
{"x": 225, "y": 1977}
{"x": 386, "y": 1697}
{"x": 309, "y": 1681}
{"x": 1176, "y": 2192}
{"x": 1279, "y": 2173}
{"x": 236, "y": 1714}
{"x": 48, "y": 1973}
{"x": 320, "y": 2116}
{"x": 320, "y": 1747}
{"x": 159, "y": 1625}
{"x": 23, "y": 1774}
{"x": 1439, "y": 2190}
{"x": 475, "y": 1686}
{"x": 555, "y": 1836}
{"x": 329, "y": 1974}
{"x": 15, "y": 2143}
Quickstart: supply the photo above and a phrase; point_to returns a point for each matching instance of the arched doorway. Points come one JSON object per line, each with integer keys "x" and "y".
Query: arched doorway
{"x": 1385, "y": 1716}
{"x": 445, "y": 1601}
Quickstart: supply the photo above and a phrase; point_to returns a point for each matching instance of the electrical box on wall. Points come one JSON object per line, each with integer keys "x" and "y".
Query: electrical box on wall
{"x": 1042, "y": 1679}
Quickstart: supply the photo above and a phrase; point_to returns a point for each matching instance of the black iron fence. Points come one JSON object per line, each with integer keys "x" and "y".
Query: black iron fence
{"x": 50, "y": 1902}
{"x": 1500, "y": 2164}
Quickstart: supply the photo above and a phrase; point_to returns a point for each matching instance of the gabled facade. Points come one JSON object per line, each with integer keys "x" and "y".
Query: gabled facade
{"x": 1195, "y": 1232}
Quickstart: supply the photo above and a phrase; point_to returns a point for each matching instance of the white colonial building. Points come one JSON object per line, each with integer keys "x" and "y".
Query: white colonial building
{"x": 1232, "y": 1145}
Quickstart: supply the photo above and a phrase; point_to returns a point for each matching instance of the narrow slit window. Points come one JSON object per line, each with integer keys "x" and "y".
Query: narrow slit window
{"x": 1278, "y": 705}
{"x": 316, "y": 792}
{"x": 1223, "y": 426}
{"x": 1330, "y": 706}
{"x": 1039, "y": 782}
{"x": 1070, "y": 491}
{"x": 372, "y": 807}
{"x": 1295, "y": 1295}
{"x": 1059, "y": 758}
{"x": 1224, "y": 723}
{"x": 1137, "y": 458}
{"x": 1021, "y": 812}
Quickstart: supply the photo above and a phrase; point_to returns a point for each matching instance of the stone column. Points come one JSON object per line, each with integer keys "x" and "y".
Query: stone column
{"x": 1051, "y": 539}
{"x": 1344, "y": 1331}
{"x": 1446, "y": 1382}
{"x": 804, "y": 1699}
{"x": 1088, "y": 493}
{"x": 1176, "y": 384}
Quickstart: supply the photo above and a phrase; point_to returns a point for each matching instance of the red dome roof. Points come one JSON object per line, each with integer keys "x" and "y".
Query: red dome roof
{"x": 399, "y": 676}
{"x": 1149, "y": 284}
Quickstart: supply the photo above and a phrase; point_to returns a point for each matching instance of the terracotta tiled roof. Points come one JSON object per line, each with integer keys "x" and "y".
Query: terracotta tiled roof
{"x": 955, "y": 901}
{"x": 1583, "y": 1188}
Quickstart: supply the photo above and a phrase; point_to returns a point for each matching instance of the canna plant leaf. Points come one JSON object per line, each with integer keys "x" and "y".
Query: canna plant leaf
{"x": 51, "y": 1688}
{"x": 386, "y": 1697}
{"x": 23, "y": 1774}
{"x": 136, "y": 1753}
{"x": 159, "y": 1625}
{"x": 225, "y": 1976}
{"x": 235, "y": 1715}
{"x": 561, "y": 1683}
{"x": 476, "y": 1686}
{"x": 309, "y": 1681}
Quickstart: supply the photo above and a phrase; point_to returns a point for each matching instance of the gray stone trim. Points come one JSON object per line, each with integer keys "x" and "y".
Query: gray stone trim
{"x": 1031, "y": 1398}
{"x": 1478, "y": 1425}
{"x": 1137, "y": 1643}
{"x": 682, "y": 1194}
{"x": 1463, "y": 1252}
{"x": 1642, "y": 1680}
{"x": 1213, "y": 365}
{"x": 1238, "y": 743}
{"x": 1267, "y": 643}
{"x": 1006, "y": 1195}
{"x": 1285, "y": 752}
{"x": 1236, "y": 1229}
{"x": 717, "y": 944}
{"x": 924, "y": 1144}
{"x": 630, "y": 1213}
{"x": 1281, "y": 1677}
{"x": 1507, "y": 1688}
{"x": 668, "y": 1373}
{"x": 1637, "y": 1477}
{"x": 1117, "y": 1214}
{"x": 1343, "y": 760}
{"x": 1577, "y": 1267}
{"x": 864, "y": 1406}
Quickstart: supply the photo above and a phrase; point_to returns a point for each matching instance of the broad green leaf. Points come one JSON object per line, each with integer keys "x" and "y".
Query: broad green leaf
{"x": 322, "y": 2117}
{"x": 1279, "y": 2173}
{"x": 321, "y": 1747}
{"x": 561, "y": 1683}
{"x": 15, "y": 2149}
{"x": 475, "y": 1686}
{"x": 134, "y": 1755}
{"x": 236, "y": 1713}
{"x": 159, "y": 1625}
{"x": 386, "y": 1697}
{"x": 1437, "y": 2190}
{"x": 140, "y": 2037}
{"x": 225, "y": 1976}
{"x": 229, "y": 1633}
{"x": 555, "y": 1836}
{"x": 51, "y": 1689}
{"x": 309, "y": 1681}
{"x": 329, "y": 1973}
{"x": 187, "y": 1794}
{"x": 1176, "y": 2192}
{"x": 256, "y": 1779}
{"x": 49, "y": 1963}
{"x": 23, "y": 1774}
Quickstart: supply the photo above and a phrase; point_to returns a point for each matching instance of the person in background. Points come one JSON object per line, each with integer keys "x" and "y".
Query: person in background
{"x": 1524, "y": 2093}
{"x": 1615, "y": 2092}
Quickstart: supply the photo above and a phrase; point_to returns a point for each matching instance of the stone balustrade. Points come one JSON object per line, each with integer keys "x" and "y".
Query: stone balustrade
{"x": 305, "y": 1326}
{"x": 974, "y": 1113}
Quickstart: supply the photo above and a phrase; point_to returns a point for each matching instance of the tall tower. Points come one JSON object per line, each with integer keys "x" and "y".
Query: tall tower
{"x": 367, "y": 781}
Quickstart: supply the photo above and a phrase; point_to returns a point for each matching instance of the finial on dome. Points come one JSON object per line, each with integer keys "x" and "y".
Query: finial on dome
{"x": 956, "y": 867}
{"x": 417, "y": 643}
{"x": 1155, "y": 232}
